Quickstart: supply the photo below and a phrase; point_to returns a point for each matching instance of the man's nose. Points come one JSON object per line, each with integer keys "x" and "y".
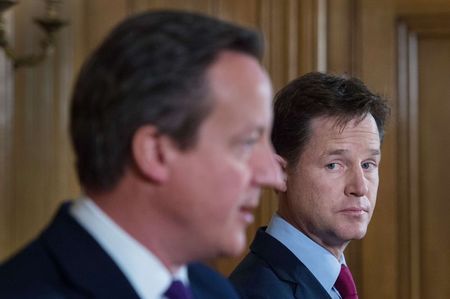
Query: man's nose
{"x": 266, "y": 170}
{"x": 357, "y": 183}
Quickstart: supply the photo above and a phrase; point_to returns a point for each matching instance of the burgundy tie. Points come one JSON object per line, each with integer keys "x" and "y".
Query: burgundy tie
{"x": 345, "y": 284}
{"x": 178, "y": 290}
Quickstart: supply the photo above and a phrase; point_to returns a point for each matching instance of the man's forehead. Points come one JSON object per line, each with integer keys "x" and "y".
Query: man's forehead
{"x": 330, "y": 139}
{"x": 337, "y": 127}
{"x": 346, "y": 151}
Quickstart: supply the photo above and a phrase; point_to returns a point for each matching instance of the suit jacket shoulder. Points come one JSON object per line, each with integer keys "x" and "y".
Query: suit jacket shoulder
{"x": 208, "y": 284}
{"x": 63, "y": 262}
{"x": 271, "y": 270}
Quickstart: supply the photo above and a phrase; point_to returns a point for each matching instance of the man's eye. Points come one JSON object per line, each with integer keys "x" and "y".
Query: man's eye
{"x": 368, "y": 165}
{"x": 250, "y": 142}
{"x": 331, "y": 166}
{"x": 245, "y": 147}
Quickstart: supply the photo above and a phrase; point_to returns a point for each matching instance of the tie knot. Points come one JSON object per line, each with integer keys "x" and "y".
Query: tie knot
{"x": 178, "y": 290}
{"x": 345, "y": 284}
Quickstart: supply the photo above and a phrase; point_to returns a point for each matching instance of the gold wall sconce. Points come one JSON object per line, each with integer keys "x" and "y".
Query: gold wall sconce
{"x": 50, "y": 23}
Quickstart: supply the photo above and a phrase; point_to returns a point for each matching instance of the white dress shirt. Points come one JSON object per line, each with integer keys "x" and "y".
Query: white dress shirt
{"x": 145, "y": 272}
{"x": 322, "y": 264}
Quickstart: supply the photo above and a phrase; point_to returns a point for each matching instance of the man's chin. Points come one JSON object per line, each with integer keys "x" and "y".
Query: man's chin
{"x": 234, "y": 248}
{"x": 359, "y": 234}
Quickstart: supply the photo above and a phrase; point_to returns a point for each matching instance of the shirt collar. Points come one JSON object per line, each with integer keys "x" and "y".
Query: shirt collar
{"x": 322, "y": 264}
{"x": 145, "y": 272}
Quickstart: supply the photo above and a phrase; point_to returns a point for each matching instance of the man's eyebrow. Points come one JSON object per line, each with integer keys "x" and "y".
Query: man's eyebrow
{"x": 257, "y": 130}
{"x": 375, "y": 152}
{"x": 337, "y": 152}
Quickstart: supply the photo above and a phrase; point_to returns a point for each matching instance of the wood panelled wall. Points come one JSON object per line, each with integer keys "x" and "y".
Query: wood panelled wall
{"x": 424, "y": 93}
{"x": 6, "y": 139}
{"x": 356, "y": 37}
{"x": 36, "y": 164}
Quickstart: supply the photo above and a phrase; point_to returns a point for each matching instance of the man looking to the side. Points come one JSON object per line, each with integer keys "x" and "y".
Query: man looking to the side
{"x": 327, "y": 132}
{"x": 170, "y": 123}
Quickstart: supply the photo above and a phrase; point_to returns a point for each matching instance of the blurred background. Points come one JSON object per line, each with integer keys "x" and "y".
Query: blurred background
{"x": 399, "y": 48}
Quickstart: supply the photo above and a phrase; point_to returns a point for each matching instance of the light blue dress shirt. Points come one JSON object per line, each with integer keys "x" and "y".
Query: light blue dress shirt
{"x": 322, "y": 264}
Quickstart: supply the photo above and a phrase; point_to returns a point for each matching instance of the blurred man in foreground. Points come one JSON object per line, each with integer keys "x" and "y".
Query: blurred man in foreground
{"x": 170, "y": 123}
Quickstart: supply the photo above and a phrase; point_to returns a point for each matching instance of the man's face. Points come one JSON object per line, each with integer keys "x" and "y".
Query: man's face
{"x": 331, "y": 192}
{"x": 217, "y": 183}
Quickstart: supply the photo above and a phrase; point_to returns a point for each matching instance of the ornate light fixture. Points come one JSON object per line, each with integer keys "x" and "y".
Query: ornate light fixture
{"x": 50, "y": 24}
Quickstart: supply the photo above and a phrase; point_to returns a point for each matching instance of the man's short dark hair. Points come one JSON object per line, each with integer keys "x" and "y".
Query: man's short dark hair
{"x": 149, "y": 70}
{"x": 316, "y": 95}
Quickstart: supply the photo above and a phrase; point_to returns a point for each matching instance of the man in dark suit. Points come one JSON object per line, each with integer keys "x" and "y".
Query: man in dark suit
{"x": 327, "y": 132}
{"x": 170, "y": 122}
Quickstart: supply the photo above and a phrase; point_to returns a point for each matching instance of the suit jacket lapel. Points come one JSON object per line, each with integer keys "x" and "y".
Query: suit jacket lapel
{"x": 287, "y": 266}
{"x": 82, "y": 261}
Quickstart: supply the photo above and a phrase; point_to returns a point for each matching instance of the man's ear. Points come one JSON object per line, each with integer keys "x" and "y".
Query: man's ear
{"x": 283, "y": 164}
{"x": 152, "y": 153}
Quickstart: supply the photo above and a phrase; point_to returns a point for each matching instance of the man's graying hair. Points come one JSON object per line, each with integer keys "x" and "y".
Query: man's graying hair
{"x": 149, "y": 70}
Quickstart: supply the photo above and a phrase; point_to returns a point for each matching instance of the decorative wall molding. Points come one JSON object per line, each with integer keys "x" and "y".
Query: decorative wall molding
{"x": 411, "y": 30}
{"x": 6, "y": 138}
{"x": 408, "y": 166}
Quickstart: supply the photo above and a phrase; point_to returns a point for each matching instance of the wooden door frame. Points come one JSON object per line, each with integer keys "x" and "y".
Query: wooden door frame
{"x": 410, "y": 29}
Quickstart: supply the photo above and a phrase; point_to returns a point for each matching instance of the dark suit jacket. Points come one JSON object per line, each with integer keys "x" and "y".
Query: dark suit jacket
{"x": 272, "y": 271}
{"x": 66, "y": 262}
